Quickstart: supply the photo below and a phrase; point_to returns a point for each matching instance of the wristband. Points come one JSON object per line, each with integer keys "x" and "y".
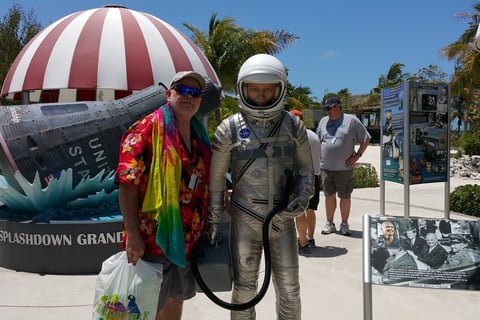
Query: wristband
{"x": 359, "y": 154}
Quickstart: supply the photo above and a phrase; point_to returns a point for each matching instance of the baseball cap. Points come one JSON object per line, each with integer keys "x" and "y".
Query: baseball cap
{"x": 331, "y": 102}
{"x": 298, "y": 113}
{"x": 189, "y": 74}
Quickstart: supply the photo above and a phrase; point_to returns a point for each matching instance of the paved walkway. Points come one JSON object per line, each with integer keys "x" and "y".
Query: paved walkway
{"x": 331, "y": 276}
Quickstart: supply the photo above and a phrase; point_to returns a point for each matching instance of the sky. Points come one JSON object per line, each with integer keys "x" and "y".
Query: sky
{"x": 342, "y": 43}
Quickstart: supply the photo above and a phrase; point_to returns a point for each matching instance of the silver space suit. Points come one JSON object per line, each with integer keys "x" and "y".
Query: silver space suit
{"x": 258, "y": 144}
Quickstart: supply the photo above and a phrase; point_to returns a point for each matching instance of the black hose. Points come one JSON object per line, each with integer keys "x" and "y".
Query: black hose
{"x": 266, "y": 249}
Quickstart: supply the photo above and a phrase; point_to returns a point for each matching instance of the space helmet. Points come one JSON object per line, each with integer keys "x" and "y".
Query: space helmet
{"x": 262, "y": 68}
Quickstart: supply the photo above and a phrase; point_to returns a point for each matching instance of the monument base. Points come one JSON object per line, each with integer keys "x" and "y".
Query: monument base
{"x": 59, "y": 247}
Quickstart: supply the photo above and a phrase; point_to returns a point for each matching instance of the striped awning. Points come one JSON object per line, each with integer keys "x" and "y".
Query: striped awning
{"x": 100, "y": 51}
{"x": 476, "y": 39}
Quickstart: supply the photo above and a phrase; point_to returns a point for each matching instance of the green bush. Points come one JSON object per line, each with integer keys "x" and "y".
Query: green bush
{"x": 365, "y": 177}
{"x": 466, "y": 199}
{"x": 470, "y": 142}
{"x": 458, "y": 154}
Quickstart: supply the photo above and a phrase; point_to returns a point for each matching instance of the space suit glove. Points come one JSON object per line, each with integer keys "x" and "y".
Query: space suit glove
{"x": 304, "y": 186}
{"x": 215, "y": 236}
{"x": 296, "y": 207}
{"x": 213, "y": 223}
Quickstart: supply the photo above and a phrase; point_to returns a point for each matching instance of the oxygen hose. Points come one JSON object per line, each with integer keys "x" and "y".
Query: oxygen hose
{"x": 266, "y": 249}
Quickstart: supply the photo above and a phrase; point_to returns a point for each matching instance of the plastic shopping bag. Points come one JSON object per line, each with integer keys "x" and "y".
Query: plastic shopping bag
{"x": 124, "y": 291}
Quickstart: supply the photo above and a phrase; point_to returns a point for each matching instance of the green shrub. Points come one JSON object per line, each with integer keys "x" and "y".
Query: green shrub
{"x": 466, "y": 199}
{"x": 365, "y": 177}
{"x": 470, "y": 142}
{"x": 458, "y": 154}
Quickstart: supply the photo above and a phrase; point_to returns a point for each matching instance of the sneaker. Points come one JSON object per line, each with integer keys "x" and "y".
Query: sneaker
{"x": 311, "y": 243}
{"x": 329, "y": 228}
{"x": 303, "y": 249}
{"x": 344, "y": 229}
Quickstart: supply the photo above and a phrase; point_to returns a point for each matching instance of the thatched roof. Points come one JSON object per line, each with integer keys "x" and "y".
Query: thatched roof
{"x": 361, "y": 102}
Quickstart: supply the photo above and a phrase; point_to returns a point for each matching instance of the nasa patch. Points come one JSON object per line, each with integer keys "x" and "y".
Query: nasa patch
{"x": 244, "y": 133}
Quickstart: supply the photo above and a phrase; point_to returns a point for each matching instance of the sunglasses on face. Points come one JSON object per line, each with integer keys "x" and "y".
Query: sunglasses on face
{"x": 329, "y": 108}
{"x": 186, "y": 90}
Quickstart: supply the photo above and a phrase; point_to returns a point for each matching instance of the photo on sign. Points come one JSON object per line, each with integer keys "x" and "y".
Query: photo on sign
{"x": 425, "y": 253}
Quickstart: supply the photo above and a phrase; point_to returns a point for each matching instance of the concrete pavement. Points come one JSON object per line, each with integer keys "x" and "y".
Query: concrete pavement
{"x": 331, "y": 276}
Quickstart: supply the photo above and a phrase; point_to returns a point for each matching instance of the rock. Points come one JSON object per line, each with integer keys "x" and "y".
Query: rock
{"x": 465, "y": 167}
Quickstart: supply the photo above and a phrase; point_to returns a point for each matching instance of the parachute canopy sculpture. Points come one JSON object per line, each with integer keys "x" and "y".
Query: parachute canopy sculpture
{"x": 92, "y": 73}
{"x": 476, "y": 40}
{"x": 101, "y": 54}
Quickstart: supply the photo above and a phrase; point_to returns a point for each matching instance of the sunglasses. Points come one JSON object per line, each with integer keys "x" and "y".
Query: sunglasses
{"x": 329, "y": 108}
{"x": 186, "y": 90}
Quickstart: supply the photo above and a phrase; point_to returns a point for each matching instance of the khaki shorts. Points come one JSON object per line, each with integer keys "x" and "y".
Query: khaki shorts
{"x": 340, "y": 182}
{"x": 178, "y": 283}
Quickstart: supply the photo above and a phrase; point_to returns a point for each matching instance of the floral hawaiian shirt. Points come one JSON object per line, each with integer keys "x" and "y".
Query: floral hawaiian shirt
{"x": 133, "y": 168}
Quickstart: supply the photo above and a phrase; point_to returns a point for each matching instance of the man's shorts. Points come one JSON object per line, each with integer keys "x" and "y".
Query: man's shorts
{"x": 340, "y": 182}
{"x": 178, "y": 283}
{"x": 315, "y": 200}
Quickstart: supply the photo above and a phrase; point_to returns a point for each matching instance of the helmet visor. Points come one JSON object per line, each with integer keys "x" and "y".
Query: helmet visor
{"x": 261, "y": 94}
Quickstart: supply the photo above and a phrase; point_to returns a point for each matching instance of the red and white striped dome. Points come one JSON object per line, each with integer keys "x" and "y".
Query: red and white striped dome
{"x": 92, "y": 53}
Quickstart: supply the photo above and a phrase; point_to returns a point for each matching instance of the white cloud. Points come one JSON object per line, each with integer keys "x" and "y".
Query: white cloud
{"x": 330, "y": 54}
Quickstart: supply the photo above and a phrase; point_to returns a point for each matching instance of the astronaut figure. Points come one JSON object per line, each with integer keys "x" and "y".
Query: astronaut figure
{"x": 260, "y": 144}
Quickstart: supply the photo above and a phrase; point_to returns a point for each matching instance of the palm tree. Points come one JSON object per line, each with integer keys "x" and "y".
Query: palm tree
{"x": 394, "y": 76}
{"x": 227, "y": 46}
{"x": 458, "y": 112}
{"x": 300, "y": 98}
{"x": 466, "y": 78}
